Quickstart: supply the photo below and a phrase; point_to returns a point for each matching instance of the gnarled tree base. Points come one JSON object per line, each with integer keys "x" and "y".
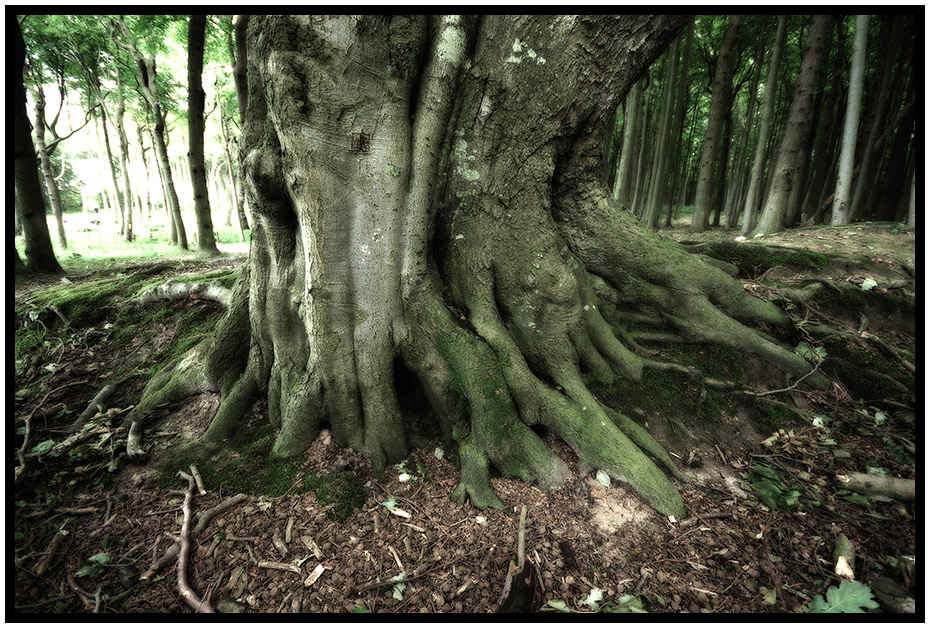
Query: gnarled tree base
{"x": 428, "y": 206}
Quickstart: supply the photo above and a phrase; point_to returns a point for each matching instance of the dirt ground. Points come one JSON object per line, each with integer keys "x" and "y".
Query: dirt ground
{"x": 409, "y": 549}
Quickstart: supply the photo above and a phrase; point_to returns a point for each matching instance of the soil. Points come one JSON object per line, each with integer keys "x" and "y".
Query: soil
{"x": 407, "y": 548}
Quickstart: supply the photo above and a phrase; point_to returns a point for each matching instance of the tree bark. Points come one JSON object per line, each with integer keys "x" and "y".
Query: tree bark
{"x": 720, "y": 101}
{"x": 40, "y": 256}
{"x": 51, "y": 187}
{"x": 126, "y": 221}
{"x": 206, "y": 240}
{"x": 631, "y": 115}
{"x": 425, "y": 213}
{"x": 659, "y": 185}
{"x": 841, "y": 198}
{"x": 799, "y": 120}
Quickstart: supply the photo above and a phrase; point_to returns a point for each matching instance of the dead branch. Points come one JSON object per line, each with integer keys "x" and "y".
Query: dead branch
{"x": 192, "y": 599}
{"x": 198, "y": 479}
{"x": 50, "y": 551}
{"x": 22, "y": 449}
{"x": 202, "y": 520}
{"x": 95, "y": 406}
{"x": 894, "y": 488}
{"x": 83, "y": 595}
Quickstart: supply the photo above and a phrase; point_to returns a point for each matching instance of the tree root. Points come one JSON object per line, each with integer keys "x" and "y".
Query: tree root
{"x": 173, "y": 290}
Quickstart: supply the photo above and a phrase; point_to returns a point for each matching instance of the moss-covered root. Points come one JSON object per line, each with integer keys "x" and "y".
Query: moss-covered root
{"x": 599, "y": 442}
{"x": 232, "y": 408}
{"x": 645, "y": 441}
{"x": 183, "y": 378}
{"x": 474, "y": 480}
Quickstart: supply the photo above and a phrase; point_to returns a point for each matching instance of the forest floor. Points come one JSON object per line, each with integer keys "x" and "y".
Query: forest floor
{"x": 765, "y": 507}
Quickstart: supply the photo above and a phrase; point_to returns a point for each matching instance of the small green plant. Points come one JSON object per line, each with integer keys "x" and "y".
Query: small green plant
{"x": 849, "y": 597}
{"x": 767, "y": 485}
{"x": 95, "y": 566}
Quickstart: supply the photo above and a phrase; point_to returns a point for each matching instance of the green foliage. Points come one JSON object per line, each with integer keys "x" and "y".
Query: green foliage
{"x": 849, "y": 597}
{"x": 96, "y": 564}
{"x": 767, "y": 485}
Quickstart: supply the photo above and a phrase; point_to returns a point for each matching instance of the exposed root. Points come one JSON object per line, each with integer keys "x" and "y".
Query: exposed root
{"x": 193, "y": 600}
{"x": 173, "y": 290}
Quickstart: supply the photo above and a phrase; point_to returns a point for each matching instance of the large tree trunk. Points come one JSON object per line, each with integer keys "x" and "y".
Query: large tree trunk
{"x": 40, "y": 256}
{"x": 427, "y": 210}
{"x": 206, "y": 240}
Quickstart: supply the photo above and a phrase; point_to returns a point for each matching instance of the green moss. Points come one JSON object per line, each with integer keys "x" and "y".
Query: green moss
{"x": 345, "y": 492}
{"x": 752, "y": 260}
{"x": 775, "y": 417}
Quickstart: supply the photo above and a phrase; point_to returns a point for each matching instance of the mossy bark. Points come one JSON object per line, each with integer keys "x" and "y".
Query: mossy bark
{"x": 424, "y": 197}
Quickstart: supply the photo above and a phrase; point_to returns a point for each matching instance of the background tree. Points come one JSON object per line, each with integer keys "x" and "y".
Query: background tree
{"x": 755, "y": 177}
{"x": 789, "y": 154}
{"x": 425, "y": 232}
{"x": 718, "y": 110}
{"x": 841, "y": 196}
{"x": 145, "y": 66}
{"x": 206, "y": 240}
{"x": 40, "y": 257}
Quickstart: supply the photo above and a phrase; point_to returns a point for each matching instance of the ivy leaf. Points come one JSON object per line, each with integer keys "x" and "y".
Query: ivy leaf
{"x": 868, "y": 284}
{"x": 559, "y": 605}
{"x": 849, "y": 597}
{"x": 603, "y": 478}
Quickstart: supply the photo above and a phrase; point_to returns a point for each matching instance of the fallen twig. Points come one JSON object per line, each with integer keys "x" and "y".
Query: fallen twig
{"x": 202, "y": 520}
{"x": 95, "y": 406}
{"x": 198, "y": 479}
{"x": 46, "y": 559}
{"x": 192, "y": 599}
{"x": 267, "y": 564}
{"x": 22, "y": 449}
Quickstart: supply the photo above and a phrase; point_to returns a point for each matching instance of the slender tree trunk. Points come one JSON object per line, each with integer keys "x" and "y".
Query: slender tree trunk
{"x": 768, "y": 106}
{"x": 206, "y": 240}
{"x": 145, "y": 169}
{"x": 631, "y": 114}
{"x": 659, "y": 185}
{"x": 126, "y": 229}
{"x": 799, "y": 121}
{"x": 51, "y": 187}
{"x": 234, "y": 182}
{"x": 720, "y": 99}
{"x": 146, "y": 68}
{"x": 841, "y": 195}
{"x": 870, "y": 164}
{"x": 912, "y": 206}
{"x": 40, "y": 256}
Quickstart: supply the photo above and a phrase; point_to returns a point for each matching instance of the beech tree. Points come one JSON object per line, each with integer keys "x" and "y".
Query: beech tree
{"x": 206, "y": 241}
{"x": 428, "y": 215}
{"x": 40, "y": 256}
{"x": 723, "y": 76}
{"x": 785, "y": 175}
